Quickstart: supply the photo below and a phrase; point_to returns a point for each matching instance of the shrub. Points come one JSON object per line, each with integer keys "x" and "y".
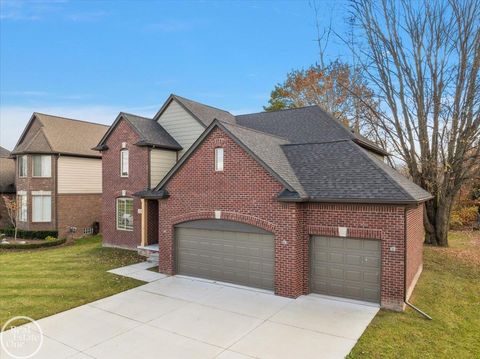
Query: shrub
{"x": 50, "y": 238}
{"x": 463, "y": 216}
{"x": 10, "y": 232}
{"x": 48, "y": 243}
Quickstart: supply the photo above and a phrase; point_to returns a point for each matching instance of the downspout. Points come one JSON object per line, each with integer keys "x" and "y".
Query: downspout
{"x": 405, "y": 270}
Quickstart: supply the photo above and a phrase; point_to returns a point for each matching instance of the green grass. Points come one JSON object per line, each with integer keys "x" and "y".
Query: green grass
{"x": 449, "y": 291}
{"x": 39, "y": 283}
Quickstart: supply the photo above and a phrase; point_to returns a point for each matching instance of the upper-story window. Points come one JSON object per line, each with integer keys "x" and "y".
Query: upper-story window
{"x": 42, "y": 166}
{"x": 22, "y": 166}
{"x": 124, "y": 163}
{"x": 219, "y": 159}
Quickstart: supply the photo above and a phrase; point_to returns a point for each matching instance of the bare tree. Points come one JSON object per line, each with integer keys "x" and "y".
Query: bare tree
{"x": 423, "y": 59}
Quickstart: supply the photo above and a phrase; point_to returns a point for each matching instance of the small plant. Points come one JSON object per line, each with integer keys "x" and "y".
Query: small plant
{"x": 11, "y": 206}
{"x": 50, "y": 238}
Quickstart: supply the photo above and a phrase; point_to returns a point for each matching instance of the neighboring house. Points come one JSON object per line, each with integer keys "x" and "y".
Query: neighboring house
{"x": 290, "y": 201}
{"x": 58, "y": 175}
{"x": 7, "y": 185}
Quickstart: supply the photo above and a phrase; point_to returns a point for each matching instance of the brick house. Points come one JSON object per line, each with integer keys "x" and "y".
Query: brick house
{"x": 7, "y": 184}
{"x": 289, "y": 201}
{"x": 58, "y": 175}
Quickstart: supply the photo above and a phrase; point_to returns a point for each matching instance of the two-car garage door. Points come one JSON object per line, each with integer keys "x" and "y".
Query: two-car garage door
{"x": 345, "y": 267}
{"x": 226, "y": 251}
{"x": 238, "y": 253}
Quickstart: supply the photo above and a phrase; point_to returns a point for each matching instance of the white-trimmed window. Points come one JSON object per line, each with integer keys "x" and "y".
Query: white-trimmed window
{"x": 42, "y": 166}
{"x": 41, "y": 206}
{"x": 22, "y": 211}
{"x": 124, "y": 162}
{"x": 218, "y": 159}
{"x": 22, "y": 166}
{"x": 125, "y": 214}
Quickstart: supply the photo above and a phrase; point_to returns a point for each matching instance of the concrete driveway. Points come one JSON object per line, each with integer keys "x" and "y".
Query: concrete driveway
{"x": 177, "y": 317}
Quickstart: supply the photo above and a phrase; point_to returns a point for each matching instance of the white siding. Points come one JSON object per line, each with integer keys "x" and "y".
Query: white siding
{"x": 161, "y": 161}
{"x": 180, "y": 125}
{"x": 79, "y": 175}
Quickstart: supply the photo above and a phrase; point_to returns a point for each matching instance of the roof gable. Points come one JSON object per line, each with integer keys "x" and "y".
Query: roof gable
{"x": 204, "y": 114}
{"x": 150, "y": 133}
{"x": 266, "y": 157}
{"x": 53, "y": 134}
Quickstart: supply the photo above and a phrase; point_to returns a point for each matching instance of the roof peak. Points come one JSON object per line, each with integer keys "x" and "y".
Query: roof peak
{"x": 282, "y": 110}
{"x": 197, "y": 102}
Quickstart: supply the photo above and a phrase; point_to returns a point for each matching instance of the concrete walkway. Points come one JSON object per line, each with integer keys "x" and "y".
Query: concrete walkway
{"x": 175, "y": 317}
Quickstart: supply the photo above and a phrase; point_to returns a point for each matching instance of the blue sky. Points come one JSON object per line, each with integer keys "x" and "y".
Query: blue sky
{"x": 91, "y": 59}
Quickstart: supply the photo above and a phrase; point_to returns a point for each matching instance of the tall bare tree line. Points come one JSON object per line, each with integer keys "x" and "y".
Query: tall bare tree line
{"x": 423, "y": 59}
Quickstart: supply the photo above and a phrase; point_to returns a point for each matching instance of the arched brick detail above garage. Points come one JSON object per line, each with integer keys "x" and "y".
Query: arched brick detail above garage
{"x": 225, "y": 215}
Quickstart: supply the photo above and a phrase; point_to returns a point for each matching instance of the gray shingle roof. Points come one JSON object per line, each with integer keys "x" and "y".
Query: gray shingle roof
{"x": 151, "y": 132}
{"x": 206, "y": 114}
{"x": 343, "y": 171}
{"x": 268, "y": 149}
{"x": 303, "y": 125}
{"x": 60, "y": 135}
{"x": 313, "y": 155}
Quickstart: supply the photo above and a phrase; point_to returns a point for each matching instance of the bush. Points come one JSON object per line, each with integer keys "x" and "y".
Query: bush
{"x": 10, "y": 232}
{"x": 463, "y": 216}
{"x": 48, "y": 243}
{"x": 50, "y": 238}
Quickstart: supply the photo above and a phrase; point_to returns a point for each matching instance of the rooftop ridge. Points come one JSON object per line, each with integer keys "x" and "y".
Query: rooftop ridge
{"x": 200, "y": 103}
{"x": 282, "y": 110}
{"x": 252, "y": 129}
{"x": 70, "y": 119}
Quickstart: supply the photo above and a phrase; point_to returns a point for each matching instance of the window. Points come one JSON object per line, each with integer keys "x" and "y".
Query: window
{"x": 41, "y": 206}
{"x": 124, "y": 163}
{"x": 88, "y": 230}
{"x": 125, "y": 214}
{"x": 22, "y": 206}
{"x": 42, "y": 166}
{"x": 22, "y": 166}
{"x": 218, "y": 159}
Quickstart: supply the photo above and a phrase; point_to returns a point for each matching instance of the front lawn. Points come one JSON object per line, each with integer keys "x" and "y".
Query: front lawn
{"x": 43, "y": 282}
{"x": 449, "y": 291}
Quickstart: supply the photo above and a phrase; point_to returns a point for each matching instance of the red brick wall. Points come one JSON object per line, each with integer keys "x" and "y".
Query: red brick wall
{"x": 382, "y": 222}
{"x": 113, "y": 185}
{"x": 30, "y": 184}
{"x": 415, "y": 239}
{"x": 246, "y": 192}
{"x": 78, "y": 210}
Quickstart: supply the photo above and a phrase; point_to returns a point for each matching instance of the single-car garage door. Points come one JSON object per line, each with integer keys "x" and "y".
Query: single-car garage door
{"x": 346, "y": 267}
{"x": 226, "y": 251}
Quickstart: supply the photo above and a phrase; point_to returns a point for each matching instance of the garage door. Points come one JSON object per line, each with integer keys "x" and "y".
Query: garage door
{"x": 346, "y": 267}
{"x": 226, "y": 251}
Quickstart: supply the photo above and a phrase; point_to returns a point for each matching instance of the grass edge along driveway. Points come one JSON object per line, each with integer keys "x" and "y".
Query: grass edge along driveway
{"x": 449, "y": 291}
{"x": 39, "y": 283}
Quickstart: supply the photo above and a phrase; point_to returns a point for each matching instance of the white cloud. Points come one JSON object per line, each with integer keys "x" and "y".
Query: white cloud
{"x": 13, "y": 119}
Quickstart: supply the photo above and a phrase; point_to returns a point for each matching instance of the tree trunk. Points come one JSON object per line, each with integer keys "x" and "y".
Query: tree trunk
{"x": 437, "y": 221}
